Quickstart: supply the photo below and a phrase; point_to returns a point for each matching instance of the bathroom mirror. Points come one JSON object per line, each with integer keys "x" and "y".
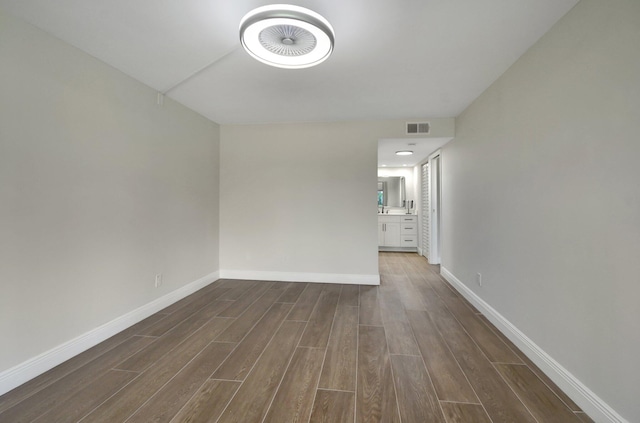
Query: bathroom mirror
{"x": 391, "y": 191}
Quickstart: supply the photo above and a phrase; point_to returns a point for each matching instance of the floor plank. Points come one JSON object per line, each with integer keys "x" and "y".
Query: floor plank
{"x": 376, "y": 397}
{"x": 238, "y": 290}
{"x": 242, "y": 359}
{"x": 294, "y": 400}
{"x": 350, "y": 296}
{"x": 245, "y": 322}
{"x": 149, "y": 355}
{"x": 339, "y": 370}
{"x": 292, "y": 293}
{"x": 60, "y": 391}
{"x": 37, "y": 384}
{"x": 251, "y": 402}
{"x": 215, "y": 286}
{"x": 464, "y": 413}
{"x": 405, "y": 290}
{"x": 493, "y": 347}
{"x": 448, "y": 378}
{"x": 316, "y": 335}
{"x": 126, "y": 401}
{"x": 399, "y": 334}
{"x": 240, "y": 306}
{"x": 406, "y": 350}
{"x": 369, "y": 306}
{"x": 417, "y": 399}
{"x": 564, "y": 397}
{"x": 183, "y": 313}
{"x": 208, "y": 403}
{"x": 539, "y": 399}
{"x": 333, "y": 407}
{"x": 166, "y": 403}
{"x": 502, "y": 405}
{"x": 306, "y": 303}
{"x": 87, "y": 398}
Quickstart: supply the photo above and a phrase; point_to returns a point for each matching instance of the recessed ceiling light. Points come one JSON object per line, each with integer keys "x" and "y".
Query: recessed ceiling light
{"x": 384, "y": 165}
{"x": 286, "y": 36}
{"x": 404, "y": 153}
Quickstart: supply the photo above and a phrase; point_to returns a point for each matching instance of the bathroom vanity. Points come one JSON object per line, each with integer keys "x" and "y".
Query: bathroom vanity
{"x": 397, "y": 232}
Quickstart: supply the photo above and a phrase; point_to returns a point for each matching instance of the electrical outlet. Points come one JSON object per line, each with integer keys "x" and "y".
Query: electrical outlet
{"x": 479, "y": 278}
{"x": 158, "y": 280}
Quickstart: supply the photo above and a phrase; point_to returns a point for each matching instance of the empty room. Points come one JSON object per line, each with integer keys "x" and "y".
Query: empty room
{"x": 190, "y": 194}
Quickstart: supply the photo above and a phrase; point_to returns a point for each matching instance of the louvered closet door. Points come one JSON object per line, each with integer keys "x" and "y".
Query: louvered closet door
{"x": 426, "y": 211}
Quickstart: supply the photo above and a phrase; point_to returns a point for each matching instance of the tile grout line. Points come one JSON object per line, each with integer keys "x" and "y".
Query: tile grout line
{"x": 424, "y": 364}
{"x": 355, "y": 395}
{"x": 514, "y": 392}
{"x": 266, "y": 413}
{"x": 177, "y": 373}
{"x": 148, "y": 367}
{"x": 446, "y": 344}
{"x": 313, "y": 403}
{"x": 250, "y": 370}
{"x": 393, "y": 378}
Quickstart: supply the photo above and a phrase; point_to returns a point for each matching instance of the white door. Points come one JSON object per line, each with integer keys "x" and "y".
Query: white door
{"x": 392, "y": 234}
{"x": 425, "y": 211}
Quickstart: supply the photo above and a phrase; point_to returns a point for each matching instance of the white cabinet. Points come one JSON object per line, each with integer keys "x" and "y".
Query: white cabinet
{"x": 397, "y": 231}
{"x": 409, "y": 231}
{"x": 389, "y": 233}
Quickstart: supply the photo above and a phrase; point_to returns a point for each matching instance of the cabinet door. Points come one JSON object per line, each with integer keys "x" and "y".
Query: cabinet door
{"x": 381, "y": 234}
{"x": 392, "y": 235}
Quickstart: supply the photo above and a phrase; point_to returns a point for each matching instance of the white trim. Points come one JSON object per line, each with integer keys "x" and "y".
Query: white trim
{"x": 258, "y": 275}
{"x": 35, "y": 366}
{"x": 435, "y": 204}
{"x": 593, "y": 405}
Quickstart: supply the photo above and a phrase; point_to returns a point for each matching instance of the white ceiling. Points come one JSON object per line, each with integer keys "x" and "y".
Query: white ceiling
{"x": 421, "y": 147}
{"x": 397, "y": 59}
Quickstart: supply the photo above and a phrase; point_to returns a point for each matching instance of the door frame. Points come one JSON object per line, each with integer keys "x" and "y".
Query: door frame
{"x": 435, "y": 205}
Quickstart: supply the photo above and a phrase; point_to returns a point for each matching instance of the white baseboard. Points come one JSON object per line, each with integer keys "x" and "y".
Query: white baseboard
{"x": 593, "y": 405}
{"x": 256, "y": 275}
{"x": 23, "y": 372}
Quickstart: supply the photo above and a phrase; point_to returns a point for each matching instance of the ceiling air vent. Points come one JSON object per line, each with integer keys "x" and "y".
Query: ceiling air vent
{"x": 418, "y": 127}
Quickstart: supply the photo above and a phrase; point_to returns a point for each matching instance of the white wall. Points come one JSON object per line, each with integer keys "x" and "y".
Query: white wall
{"x": 100, "y": 189}
{"x": 541, "y": 194}
{"x": 299, "y": 201}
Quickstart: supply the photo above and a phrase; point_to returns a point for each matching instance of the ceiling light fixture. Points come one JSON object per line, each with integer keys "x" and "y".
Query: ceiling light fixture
{"x": 404, "y": 153}
{"x": 286, "y": 36}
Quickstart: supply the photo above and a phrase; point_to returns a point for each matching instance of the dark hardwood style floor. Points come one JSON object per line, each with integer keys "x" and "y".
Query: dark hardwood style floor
{"x": 411, "y": 350}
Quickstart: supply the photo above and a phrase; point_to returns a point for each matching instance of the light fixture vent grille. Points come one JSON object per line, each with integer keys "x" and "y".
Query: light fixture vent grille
{"x": 287, "y": 40}
{"x": 418, "y": 128}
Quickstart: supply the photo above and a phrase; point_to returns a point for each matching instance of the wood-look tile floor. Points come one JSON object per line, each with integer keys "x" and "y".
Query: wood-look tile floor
{"x": 411, "y": 350}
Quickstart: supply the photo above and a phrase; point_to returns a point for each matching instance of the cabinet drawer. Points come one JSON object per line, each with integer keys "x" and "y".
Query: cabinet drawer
{"x": 409, "y": 228}
{"x": 388, "y": 219}
{"x": 409, "y": 241}
{"x": 409, "y": 219}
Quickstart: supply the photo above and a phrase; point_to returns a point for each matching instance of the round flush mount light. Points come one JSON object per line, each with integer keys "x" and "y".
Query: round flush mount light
{"x": 404, "y": 153}
{"x": 286, "y": 36}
